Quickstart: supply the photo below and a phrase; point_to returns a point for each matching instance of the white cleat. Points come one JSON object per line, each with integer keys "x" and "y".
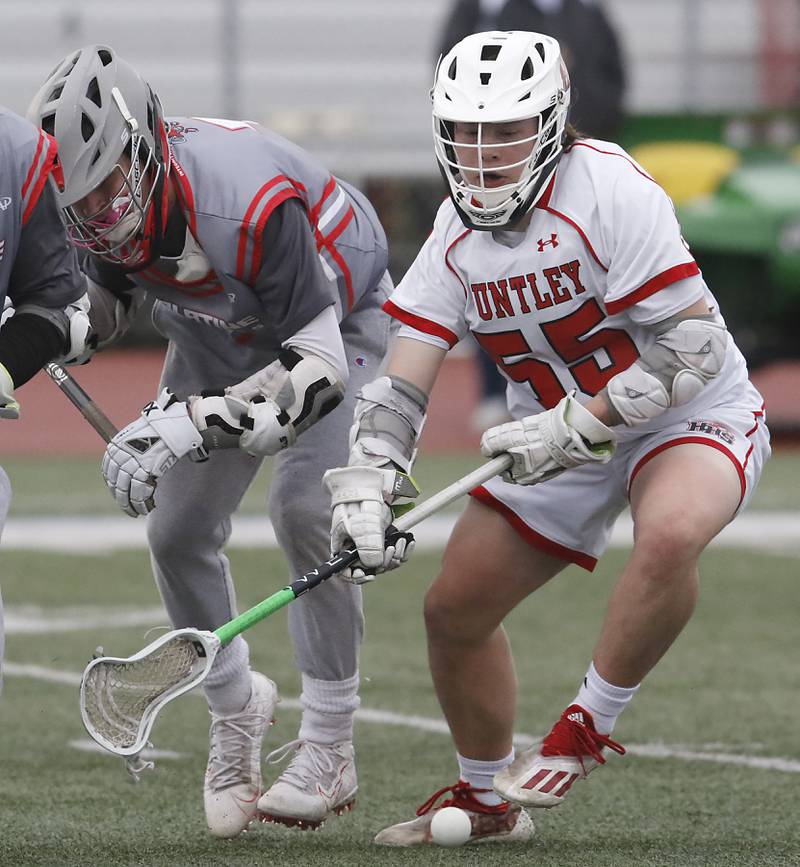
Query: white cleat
{"x": 543, "y": 775}
{"x": 319, "y": 781}
{"x": 504, "y": 823}
{"x": 233, "y": 775}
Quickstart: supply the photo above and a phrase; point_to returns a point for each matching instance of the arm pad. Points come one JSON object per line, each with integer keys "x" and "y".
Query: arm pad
{"x": 687, "y": 354}
{"x": 389, "y": 418}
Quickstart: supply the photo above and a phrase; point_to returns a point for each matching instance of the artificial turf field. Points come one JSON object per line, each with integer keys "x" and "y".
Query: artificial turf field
{"x": 713, "y": 771}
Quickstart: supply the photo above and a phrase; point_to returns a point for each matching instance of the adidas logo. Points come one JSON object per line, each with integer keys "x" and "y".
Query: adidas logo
{"x": 576, "y": 716}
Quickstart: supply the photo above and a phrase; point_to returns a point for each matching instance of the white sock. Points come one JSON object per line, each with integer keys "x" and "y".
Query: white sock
{"x": 480, "y": 775}
{"x": 229, "y": 683}
{"x": 604, "y": 701}
{"x": 328, "y": 709}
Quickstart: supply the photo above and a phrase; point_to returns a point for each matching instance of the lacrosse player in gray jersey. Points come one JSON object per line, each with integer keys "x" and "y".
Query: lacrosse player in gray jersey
{"x": 42, "y": 291}
{"x": 269, "y": 275}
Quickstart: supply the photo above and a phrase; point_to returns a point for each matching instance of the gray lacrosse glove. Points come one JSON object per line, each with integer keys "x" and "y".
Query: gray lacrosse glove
{"x": 361, "y": 498}
{"x": 546, "y": 444}
{"x": 144, "y": 450}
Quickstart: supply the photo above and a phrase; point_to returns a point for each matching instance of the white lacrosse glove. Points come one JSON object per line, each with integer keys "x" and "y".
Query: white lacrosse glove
{"x": 9, "y": 408}
{"x": 360, "y": 497}
{"x": 7, "y": 312}
{"x": 144, "y": 450}
{"x": 82, "y": 340}
{"x": 267, "y": 428}
{"x": 550, "y": 442}
{"x": 259, "y": 427}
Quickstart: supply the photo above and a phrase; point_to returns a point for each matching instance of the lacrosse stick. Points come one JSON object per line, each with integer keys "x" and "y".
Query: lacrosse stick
{"x": 86, "y": 406}
{"x": 120, "y": 698}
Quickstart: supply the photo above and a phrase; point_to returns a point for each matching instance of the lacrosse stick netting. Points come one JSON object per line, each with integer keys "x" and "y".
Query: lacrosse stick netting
{"x": 120, "y": 698}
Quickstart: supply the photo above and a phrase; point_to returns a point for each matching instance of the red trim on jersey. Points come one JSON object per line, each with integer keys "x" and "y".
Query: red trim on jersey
{"x": 327, "y": 242}
{"x": 241, "y": 249}
{"x": 537, "y": 540}
{"x": 544, "y": 199}
{"x": 315, "y": 211}
{"x": 579, "y": 230}
{"x": 44, "y": 173}
{"x": 447, "y": 261}
{"x": 703, "y": 441}
{"x": 426, "y": 326}
{"x": 184, "y": 191}
{"x": 192, "y": 288}
{"x": 34, "y": 163}
{"x": 277, "y": 199}
{"x": 665, "y": 278}
{"x": 584, "y": 144}
{"x": 757, "y": 416}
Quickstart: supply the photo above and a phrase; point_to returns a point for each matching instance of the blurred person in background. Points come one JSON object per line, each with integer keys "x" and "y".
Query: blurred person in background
{"x": 269, "y": 275}
{"x": 566, "y": 261}
{"x": 591, "y": 50}
{"x": 42, "y": 290}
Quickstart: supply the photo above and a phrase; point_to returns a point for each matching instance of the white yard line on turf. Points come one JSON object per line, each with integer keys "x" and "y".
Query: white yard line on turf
{"x": 428, "y": 724}
{"x": 773, "y": 531}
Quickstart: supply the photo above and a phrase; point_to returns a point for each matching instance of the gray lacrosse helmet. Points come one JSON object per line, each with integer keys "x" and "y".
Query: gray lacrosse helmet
{"x": 106, "y": 119}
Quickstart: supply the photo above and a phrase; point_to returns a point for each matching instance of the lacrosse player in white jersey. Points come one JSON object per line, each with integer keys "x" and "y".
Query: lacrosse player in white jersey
{"x": 269, "y": 275}
{"x": 43, "y": 301}
{"x": 565, "y": 260}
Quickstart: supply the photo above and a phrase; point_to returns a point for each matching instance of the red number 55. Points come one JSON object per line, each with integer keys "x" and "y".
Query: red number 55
{"x": 566, "y": 337}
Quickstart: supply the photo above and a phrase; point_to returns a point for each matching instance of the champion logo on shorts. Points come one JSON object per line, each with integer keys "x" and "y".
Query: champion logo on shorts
{"x": 360, "y": 361}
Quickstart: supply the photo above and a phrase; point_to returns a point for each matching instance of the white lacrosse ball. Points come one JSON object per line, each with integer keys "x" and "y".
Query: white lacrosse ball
{"x": 450, "y": 827}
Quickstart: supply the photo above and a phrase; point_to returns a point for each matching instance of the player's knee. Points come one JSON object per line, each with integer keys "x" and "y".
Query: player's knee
{"x": 668, "y": 541}
{"x": 448, "y": 619}
{"x": 172, "y": 535}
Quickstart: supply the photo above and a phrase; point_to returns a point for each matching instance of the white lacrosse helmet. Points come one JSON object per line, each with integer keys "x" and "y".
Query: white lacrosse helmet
{"x": 491, "y": 78}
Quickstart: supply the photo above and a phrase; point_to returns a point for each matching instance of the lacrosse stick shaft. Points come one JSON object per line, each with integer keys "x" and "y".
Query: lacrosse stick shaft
{"x": 85, "y": 405}
{"x": 228, "y": 631}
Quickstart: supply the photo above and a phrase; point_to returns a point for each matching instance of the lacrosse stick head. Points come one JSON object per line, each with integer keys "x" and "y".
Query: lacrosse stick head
{"x": 120, "y": 698}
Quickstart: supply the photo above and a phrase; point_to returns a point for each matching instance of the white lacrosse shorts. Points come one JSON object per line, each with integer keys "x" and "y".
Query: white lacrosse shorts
{"x": 572, "y": 515}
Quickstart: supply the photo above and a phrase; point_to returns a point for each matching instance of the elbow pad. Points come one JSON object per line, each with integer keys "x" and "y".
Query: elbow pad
{"x": 685, "y": 357}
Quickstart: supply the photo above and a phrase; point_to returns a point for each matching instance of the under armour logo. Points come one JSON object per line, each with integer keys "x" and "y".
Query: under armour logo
{"x": 553, "y": 242}
{"x": 5, "y": 201}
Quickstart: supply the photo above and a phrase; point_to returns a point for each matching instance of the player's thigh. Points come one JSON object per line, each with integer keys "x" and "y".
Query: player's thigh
{"x": 194, "y": 498}
{"x": 487, "y": 570}
{"x": 681, "y": 499}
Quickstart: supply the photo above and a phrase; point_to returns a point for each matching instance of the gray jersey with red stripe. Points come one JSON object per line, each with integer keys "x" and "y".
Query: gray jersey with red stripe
{"x": 38, "y": 268}
{"x": 273, "y": 239}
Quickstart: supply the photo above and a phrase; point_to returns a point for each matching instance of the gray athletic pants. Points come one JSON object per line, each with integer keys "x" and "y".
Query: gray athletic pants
{"x": 5, "y": 502}
{"x": 191, "y": 524}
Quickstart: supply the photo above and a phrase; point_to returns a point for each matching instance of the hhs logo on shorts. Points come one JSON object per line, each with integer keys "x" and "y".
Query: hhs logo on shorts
{"x": 714, "y": 428}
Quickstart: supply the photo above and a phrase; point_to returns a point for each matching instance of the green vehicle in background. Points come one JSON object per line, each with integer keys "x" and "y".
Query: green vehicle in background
{"x": 739, "y": 210}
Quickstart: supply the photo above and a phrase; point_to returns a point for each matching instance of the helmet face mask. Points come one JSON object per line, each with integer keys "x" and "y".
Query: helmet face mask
{"x": 113, "y": 154}
{"x": 114, "y": 222}
{"x": 500, "y": 105}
